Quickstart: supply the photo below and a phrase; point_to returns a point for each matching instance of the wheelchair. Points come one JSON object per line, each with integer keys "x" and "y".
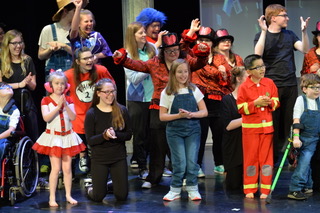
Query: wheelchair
{"x": 20, "y": 166}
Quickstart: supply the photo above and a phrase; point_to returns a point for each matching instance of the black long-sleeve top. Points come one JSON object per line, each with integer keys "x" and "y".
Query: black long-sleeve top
{"x": 102, "y": 150}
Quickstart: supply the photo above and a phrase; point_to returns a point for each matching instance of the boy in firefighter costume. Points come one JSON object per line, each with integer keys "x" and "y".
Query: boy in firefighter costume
{"x": 257, "y": 99}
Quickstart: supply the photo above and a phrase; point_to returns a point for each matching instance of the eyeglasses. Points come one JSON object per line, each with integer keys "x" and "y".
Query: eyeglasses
{"x": 153, "y": 26}
{"x": 108, "y": 92}
{"x": 87, "y": 58}
{"x": 283, "y": 15}
{"x": 6, "y": 87}
{"x": 16, "y": 43}
{"x": 172, "y": 51}
{"x": 314, "y": 88}
{"x": 258, "y": 67}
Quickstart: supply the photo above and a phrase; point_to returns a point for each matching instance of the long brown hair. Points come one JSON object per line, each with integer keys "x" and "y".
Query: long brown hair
{"x": 93, "y": 72}
{"x": 172, "y": 86}
{"x": 130, "y": 43}
{"x": 6, "y": 69}
{"x": 117, "y": 118}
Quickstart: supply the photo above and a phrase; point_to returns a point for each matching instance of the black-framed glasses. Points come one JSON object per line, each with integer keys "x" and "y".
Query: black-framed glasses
{"x": 283, "y": 15}
{"x": 314, "y": 88}
{"x": 172, "y": 51}
{"x": 108, "y": 92}
{"x": 258, "y": 67}
{"x": 87, "y": 58}
{"x": 16, "y": 43}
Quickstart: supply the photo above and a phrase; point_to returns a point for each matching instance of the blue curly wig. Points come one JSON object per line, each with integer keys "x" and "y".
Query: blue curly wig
{"x": 149, "y": 15}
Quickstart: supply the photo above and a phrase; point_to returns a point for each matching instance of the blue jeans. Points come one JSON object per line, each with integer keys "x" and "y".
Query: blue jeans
{"x": 301, "y": 177}
{"x": 184, "y": 148}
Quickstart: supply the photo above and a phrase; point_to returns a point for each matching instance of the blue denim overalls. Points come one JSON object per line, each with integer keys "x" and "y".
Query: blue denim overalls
{"x": 183, "y": 136}
{"x": 309, "y": 136}
{"x": 60, "y": 59}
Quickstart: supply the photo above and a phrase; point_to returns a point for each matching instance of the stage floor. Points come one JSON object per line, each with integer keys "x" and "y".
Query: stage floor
{"x": 214, "y": 198}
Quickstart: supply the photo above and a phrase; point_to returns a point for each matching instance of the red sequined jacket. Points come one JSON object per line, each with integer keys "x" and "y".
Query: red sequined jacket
{"x": 159, "y": 71}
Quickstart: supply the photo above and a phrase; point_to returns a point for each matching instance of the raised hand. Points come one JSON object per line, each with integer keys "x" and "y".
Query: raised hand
{"x": 304, "y": 23}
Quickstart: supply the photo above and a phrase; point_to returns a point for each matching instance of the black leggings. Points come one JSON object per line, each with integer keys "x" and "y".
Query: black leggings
{"x": 119, "y": 177}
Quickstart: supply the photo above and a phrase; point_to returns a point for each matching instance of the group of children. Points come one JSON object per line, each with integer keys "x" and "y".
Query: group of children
{"x": 178, "y": 105}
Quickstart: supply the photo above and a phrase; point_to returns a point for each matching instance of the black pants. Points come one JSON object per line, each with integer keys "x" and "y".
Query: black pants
{"x": 119, "y": 177}
{"x": 234, "y": 178}
{"x": 139, "y": 113}
{"x": 158, "y": 147}
{"x": 216, "y": 128}
{"x": 282, "y": 119}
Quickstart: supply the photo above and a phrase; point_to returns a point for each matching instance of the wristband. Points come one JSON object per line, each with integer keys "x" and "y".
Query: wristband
{"x": 296, "y": 134}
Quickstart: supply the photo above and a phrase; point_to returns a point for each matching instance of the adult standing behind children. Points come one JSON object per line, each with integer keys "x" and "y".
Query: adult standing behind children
{"x": 257, "y": 99}
{"x": 181, "y": 106}
{"x": 58, "y": 141}
{"x": 18, "y": 70}
{"x": 232, "y": 132}
{"x": 305, "y": 135}
{"x": 108, "y": 127}
{"x": 276, "y": 45}
{"x": 82, "y": 33}
{"x": 153, "y": 20}
{"x": 158, "y": 67}
{"x": 311, "y": 60}
{"x": 212, "y": 80}
{"x": 82, "y": 77}
{"x": 139, "y": 94}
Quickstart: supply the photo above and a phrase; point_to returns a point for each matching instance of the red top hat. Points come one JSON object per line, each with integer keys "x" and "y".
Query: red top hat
{"x": 317, "y": 29}
{"x": 223, "y": 34}
{"x": 169, "y": 40}
{"x": 206, "y": 32}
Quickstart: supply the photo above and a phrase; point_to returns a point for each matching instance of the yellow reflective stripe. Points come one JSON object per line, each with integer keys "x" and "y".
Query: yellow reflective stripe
{"x": 257, "y": 125}
{"x": 245, "y": 107}
{"x": 250, "y": 186}
{"x": 276, "y": 103}
{"x": 263, "y": 186}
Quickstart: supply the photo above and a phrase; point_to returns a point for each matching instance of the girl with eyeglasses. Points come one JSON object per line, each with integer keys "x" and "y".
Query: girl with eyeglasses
{"x": 82, "y": 77}
{"x": 18, "y": 70}
{"x": 107, "y": 128}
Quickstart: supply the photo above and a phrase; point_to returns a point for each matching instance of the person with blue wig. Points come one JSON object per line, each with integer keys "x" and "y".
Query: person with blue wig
{"x": 153, "y": 20}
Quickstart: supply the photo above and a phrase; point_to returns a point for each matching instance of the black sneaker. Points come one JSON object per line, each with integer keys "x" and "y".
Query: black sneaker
{"x": 298, "y": 195}
{"x": 307, "y": 190}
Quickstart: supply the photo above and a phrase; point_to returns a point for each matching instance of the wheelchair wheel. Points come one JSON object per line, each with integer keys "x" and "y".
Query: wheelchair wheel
{"x": 27, "y": 167}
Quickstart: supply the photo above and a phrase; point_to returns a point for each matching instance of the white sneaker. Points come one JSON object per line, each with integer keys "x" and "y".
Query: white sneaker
{"x": 166, "y": 172}
{"x": 146, "y": 185}
{"x": 194, "y": 195}
{"x": 170, "y": 196}
{"x": 201, "y": 173}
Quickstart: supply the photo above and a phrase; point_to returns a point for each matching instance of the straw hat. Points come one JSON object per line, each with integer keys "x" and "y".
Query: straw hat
{"x": 62, "y": 4}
